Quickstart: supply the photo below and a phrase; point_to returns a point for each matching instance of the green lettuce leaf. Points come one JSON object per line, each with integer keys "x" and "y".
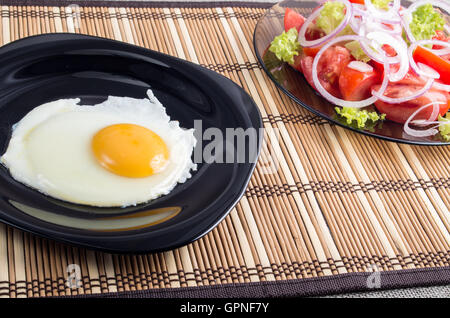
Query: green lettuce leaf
{"x": 381, "y": 4}
{"x": 357, "y": 52}
{"x": 331, "y": 16}
{"x": 359, "y": 117}
{"x": 425, "y": 22}
{"x": 444, "y": 129}
{"x": 286, "y": 46}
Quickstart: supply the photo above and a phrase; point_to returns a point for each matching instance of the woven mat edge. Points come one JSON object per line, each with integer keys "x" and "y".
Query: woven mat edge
{"x": 306, "y": 287}
{"x": 335, "y": 284}
{"x": 134, "y": 4}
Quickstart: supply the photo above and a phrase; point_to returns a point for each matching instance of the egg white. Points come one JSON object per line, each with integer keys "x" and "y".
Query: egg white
{"x": 50, "y": 150}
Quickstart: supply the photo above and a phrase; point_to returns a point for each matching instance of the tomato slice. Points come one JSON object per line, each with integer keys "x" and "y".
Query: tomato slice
{"x": 401, "y": 112}
{"x": 311, "y": 51}
{"x": 411, "y": 78}
{"x": 357, "y": 1}
{"x": 329, "y": 68}
{"x": 355, "y": 85}
{"x": 390, "y": 51}
{"x": 292, "y": 19}
{"x": 439, "y": 64}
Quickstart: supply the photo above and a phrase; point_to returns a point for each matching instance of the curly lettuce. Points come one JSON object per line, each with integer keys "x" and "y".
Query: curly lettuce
{"x": 355, "y": 49}
{"x": 381, "y": 4}
{"x": 331, "y": 16}
{"x": 286, "y": 46}
{"x": 444, "y": 129}
{"x": 358, "y": 117}
{"x": 425, "y": 22}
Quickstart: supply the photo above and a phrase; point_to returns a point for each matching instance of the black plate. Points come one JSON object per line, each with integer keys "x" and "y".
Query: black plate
{"x": 294, "y": 85}
{"x": 43, "y": 68}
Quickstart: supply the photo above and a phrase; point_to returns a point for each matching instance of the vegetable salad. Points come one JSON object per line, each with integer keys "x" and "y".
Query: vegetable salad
{"x": 363, "y": 53}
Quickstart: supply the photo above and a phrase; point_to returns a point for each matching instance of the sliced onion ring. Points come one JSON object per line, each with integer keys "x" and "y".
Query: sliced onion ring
{"x": 355, "y": 24}
{"x": 398, "y": 45}
{"x": 372, "y": 54}
{"x": 422, "y": 133}
{"x": 440, "y": 52}
{"x": 360, "y": 66}
{"x": 371, "y": 24}
{"x": 389, "y": 16}
{"x": 301, "y": 34}
{"x": 333, "y": 99}
{"x": 442, "y": 87}
{"x": 421, "y": 70}
{"x": 431, "y": 72}
{"x": 358, "y": 8}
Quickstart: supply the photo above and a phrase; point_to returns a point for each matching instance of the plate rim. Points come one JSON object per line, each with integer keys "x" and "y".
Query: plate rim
{"x": 51, "y": 232}
{"x": 318, "y": 113}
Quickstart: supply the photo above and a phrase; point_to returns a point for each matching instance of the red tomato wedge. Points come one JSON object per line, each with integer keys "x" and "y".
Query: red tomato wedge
{"x": 439, "y": 64}
{"x": 401, "y": 112}
{"x": 411, "y": 78}
{"x": 329, "y": 68}
{"x": 311, "y": 51}
{"x": 355, "y": 85}
{"x": 292, "y": 19}
{"x": 357, "y": 1}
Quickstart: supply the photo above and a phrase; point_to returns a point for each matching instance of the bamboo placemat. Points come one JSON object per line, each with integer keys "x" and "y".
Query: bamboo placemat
{"x": 340, "y": 206}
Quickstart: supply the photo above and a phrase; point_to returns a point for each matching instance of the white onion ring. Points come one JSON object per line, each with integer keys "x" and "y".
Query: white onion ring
{"x": 399, "y": 46}
{"x": 415, "y": 95}
{"x": 444, "y": 51}
{"x": 413, "y": 63}
{"x": 301, "y": 33}
{"x": 422, "y": 133}
{"x": 389, "y": 16}
{"x": 442, "y": 87}
{"x": 333, "y": 99}
{"x": 370, "y": 24}
{"x": 360, "y": 66}
{"x": 380, "y": 58}
{"x": 398, "y": 30}
{"x": 440, "y": 52}
{"x": 359, "y": 8}
{"x": 435, "y": 112}
{"x": 432, "y": 72}
{"x": 356, "y": 26}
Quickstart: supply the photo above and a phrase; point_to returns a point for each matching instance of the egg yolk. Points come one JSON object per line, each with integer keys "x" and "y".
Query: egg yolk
{"x": 130, "y": 150}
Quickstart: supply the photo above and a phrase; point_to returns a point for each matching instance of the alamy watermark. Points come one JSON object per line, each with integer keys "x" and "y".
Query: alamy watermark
{"x": 73, "y": 17}
{"x": 237, "y": 145}
{"x": 374, "y": 279}
{"x": 73, "y": 280}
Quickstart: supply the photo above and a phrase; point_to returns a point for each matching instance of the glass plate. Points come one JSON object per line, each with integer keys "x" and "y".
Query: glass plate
{"x": 294, "y": 85}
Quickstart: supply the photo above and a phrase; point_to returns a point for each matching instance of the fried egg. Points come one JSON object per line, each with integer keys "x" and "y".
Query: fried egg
{"x": 121, "y": 152}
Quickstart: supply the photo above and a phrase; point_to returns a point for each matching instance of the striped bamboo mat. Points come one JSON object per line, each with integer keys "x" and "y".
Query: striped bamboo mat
{"x": 341, "y": 205}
